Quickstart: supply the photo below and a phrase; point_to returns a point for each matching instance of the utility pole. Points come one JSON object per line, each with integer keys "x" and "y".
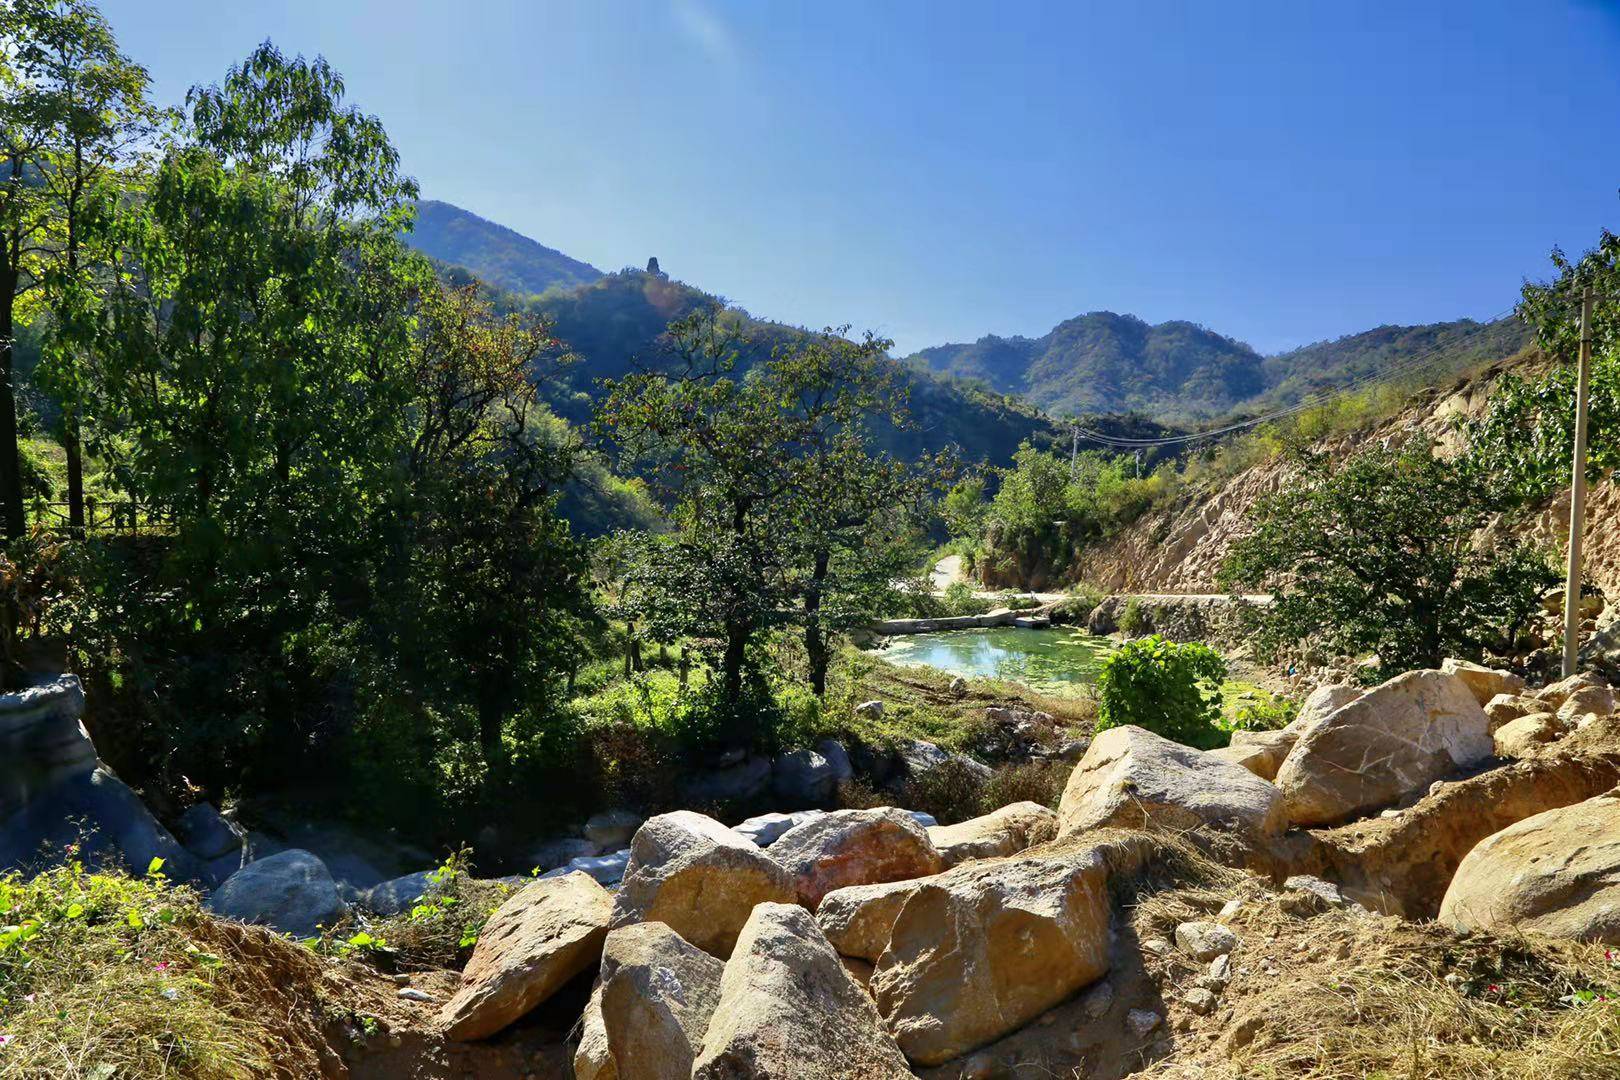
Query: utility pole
{"x": 1074, "y": 448}
{"x": 1577, "y": 489}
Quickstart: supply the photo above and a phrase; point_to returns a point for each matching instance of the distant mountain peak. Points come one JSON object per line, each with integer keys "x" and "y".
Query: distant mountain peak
{"x": 497, "y": 254}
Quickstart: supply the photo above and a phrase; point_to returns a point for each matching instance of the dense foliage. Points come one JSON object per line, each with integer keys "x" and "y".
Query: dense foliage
{"x": 1378, "y": 555}
{"x": 1168, "y": 688}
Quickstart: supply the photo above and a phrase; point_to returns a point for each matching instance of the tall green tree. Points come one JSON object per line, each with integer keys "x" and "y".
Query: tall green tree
{"x": 99, "y": 120}
{"x": 1380, "y": 554}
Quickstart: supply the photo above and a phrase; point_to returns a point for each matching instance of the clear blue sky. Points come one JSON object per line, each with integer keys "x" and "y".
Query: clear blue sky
{"x": 1281, "y": 171}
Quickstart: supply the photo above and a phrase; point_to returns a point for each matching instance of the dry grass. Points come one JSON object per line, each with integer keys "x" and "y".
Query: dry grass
{"x": 1337, "y": 995}
{"x": 109, "y": 981}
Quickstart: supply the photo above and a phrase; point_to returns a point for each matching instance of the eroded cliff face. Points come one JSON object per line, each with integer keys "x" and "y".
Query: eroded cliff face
{"x": 1180, "y": 548}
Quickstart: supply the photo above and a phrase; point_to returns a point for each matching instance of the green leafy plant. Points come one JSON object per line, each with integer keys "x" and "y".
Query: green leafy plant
{"x": 1134, "y": 620}
{"x": 1168, "y": 688}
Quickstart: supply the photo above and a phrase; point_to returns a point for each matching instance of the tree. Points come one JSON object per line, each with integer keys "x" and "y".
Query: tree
{"x": 493, "y": 598}
{"x": 779, "y": 503}
{"x": 26, "y": 120}
{"x": 99, "y": 117}
{"x": 1378, "y": 554}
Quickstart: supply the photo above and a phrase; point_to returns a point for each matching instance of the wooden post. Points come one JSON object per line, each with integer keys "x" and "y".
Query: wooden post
{"x": 1577, "y": 491}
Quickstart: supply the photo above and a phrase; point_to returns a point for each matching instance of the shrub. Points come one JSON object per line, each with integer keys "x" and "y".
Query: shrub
{"x": 1263, "y": 714}
{"x": 959, "y": 600}
{"x": 1168, "y": 688}
{"x": 1134, "y": 621}
{"x": 952, "y": 791}
{"x": 1031, "y": 781}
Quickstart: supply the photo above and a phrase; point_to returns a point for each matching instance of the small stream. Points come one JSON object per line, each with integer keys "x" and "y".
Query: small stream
{"x": 1060, "y": 660}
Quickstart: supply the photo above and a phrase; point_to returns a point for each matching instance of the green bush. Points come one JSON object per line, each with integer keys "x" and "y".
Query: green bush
{"x": 1168, "y": 688}
{"x": 1134, "y": 620}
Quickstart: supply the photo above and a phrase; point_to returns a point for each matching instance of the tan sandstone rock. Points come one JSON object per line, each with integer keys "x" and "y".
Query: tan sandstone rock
{"x": 543, "y": 936}
{"x": 789, "y": 1010}
{"x": 1132, "y": 778}
{"x": 698, "y": 877}
{"x": 857, "y": 919}
{"x": 592, "y": 1059}
{"x": 1557, "y": 873}
{"x": 1505, "y": 708}
{"x": 1555, "y": 694}
{"x": 1007, "y": 831}
{"x": 1524, "y": 736}
{"x": 658, "y": 993}
{"x": 855, "y": 847}
{"x": 1262, "y": 753}
{"x": 1391, "y": 742}
{"x": 1598, "y": 700}
{"x": 1483, "y": 682}
{"x": 982, "y": 950}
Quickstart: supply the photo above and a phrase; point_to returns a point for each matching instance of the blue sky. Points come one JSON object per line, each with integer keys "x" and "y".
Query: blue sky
{"x": 1281, "y": 172}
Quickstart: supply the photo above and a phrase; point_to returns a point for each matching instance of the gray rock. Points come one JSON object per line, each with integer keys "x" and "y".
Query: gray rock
{"x": 360, "y": 859}
{"x": 1316, "y": 891}
{"x": 926, "y": 820}
{"x": 802, "y": 776}
{"x": 98, "y": 812}
{"x": 606, "y": 869}
{"x": 612, "y": 828}
{"x": 918, "y": 756}
{"x": 1074, "y": 749}
{"x": 206, "y": 833}
{"x": 1096, "y": 1001}
{"x": 292, "y": 892}
{"x": 1204, "y": 941}
{"x": 837, "y": 759}
{"x": 42, "y": 743}
{"x": 551, "y": 854}
{"x": 1141, "y": 1021}
{"x": 871, "y": 710}
{"x": 390, "y": 898}
{"x": 737, "y": 783}
{"x": 764, "y": 829}
{"x": 1200, "y": 1001}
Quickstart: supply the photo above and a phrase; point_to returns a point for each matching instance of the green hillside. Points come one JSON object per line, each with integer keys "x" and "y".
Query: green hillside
{"x": 495, "y": 253}
{"x": 1435, "y": 350}
{"x": 1104, "y": 362}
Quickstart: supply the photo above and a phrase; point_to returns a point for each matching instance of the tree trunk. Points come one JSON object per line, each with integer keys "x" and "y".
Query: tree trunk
{"x": 731, "y": 664}
{"x": 815, "y": 637}
{"x": 494, "y": 700}
{"x": 10, "y": 460}
{"x": 75, "y": 468}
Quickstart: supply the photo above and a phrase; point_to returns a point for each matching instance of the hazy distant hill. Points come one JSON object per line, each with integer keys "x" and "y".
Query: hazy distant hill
{"x": 1435, "y": 350}
{"x": 495, "y": 253}
{"x": 1103, "y": 362}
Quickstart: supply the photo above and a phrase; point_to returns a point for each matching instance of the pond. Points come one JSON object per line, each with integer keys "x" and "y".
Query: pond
{"x": 1059, "y": 660}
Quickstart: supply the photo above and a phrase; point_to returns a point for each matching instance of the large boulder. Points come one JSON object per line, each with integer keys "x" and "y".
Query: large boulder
{"x": 790, "y": 1011}
{"x": 107, "y": 823}
{"x": 699, "y": 878}
{"x": 1260, "y": 752}
{"x": 1007, "y": 831}
{"x": 745, "y": 780}
{"x": 291, "y": 891}
{"x": 207, "y": 833}
{"x": 982, "y": 950}
{"x": 1505, "y": 708}
{"x": 857, "y": 919}
{"x": 657, "y": 994}
{"x": 612, "y": 829}
{"x": 1323, "y": 701}
{"x": 1521, "y": 738}
{"x": 1393, "y": 741}
{"x": 855, "y": 847}
{"x": 42, "y": 742}
{"x": 397, "y": 895}
{"x": 1132, "y": 778}
{"x": 1483, "y": 682}
{"x": 1556, "y": 693}
{"x": 1556, "y": 873}
{"x": 1597, "y": 700}
{"x": 541, "y": 938}
{"x": 592, "y": 1058}
{"x": 803, "y": 777}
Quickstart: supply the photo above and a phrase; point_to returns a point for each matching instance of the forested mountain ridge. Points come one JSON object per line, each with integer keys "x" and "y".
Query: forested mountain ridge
{"x": 1106, "y": 362}
{"x": 497, "y": 254}
{"x": 1442, "y": 348}
{"x": 616, "y": 325}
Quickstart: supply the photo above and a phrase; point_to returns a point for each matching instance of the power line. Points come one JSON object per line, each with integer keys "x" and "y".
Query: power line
{"x": 1404, "y": 367}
